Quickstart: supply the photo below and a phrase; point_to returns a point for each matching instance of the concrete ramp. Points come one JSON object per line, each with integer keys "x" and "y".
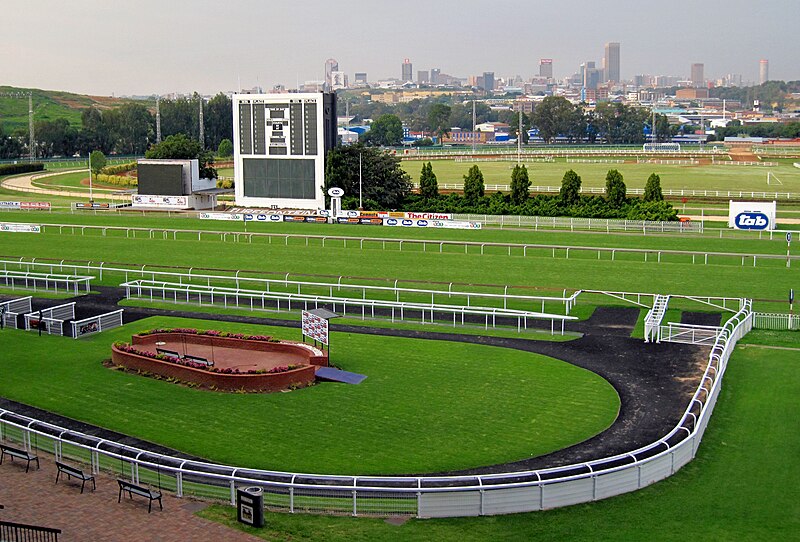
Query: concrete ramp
{"x": 329, "y": 374}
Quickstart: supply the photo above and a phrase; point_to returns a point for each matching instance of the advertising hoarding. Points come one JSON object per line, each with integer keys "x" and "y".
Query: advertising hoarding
{"x": 315, "y": 327}
{"x": 752, "y": 215}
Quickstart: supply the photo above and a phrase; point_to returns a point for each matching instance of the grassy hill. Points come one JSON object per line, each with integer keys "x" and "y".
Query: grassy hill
{"x": 49, "y": 105}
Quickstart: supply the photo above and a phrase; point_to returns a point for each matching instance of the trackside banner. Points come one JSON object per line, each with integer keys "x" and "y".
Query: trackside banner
{"x": 25, "y": 205}
{"x": 752, "y": 215}
{"x": 446, "y": 224}
{"x": 20, "y": 228}
{"x": 220, "y": 216}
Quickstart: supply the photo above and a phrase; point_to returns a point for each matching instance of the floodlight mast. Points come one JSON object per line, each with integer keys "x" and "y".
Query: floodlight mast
{"x": 31, "y": 136}
{"x": 158, "y": 119}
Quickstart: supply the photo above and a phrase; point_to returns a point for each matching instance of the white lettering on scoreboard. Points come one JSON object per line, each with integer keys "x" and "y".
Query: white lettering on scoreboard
{"x": 315, "y": 327}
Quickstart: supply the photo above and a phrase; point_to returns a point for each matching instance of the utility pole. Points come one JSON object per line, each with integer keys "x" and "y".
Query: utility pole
{"x": 474, "y": 129}
{"x": 202, "y": 127}
{"x": 360, "y": 202}
{"x": 32, "y": 142}
{"x": 158, "y": 119}
{"x": 519, "y": 137}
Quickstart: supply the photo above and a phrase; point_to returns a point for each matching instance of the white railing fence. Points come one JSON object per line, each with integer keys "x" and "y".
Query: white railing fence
{"x": 652, "y": 321}
{"x": 50, "y": 320}
{"x": 675, "y": 332}
{"x": 26, "y": 280}
{"x": 96, "y": 324}
{"x": 11, "y": 309}
{"x": 776, "y": 321}
{"x": 422, "y": 496}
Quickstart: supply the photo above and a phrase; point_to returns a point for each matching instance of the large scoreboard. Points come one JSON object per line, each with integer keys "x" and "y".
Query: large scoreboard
{"x": 280, "y": 143}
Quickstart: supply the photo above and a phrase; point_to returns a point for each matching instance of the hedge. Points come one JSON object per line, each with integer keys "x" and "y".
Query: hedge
{"x": 118, "y": 168}
{"x": 26, "y": 167}
{"x": 117, "y": 180}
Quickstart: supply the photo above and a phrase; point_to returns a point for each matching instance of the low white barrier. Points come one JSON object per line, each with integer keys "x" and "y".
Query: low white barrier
{"x": 96, "y": 324}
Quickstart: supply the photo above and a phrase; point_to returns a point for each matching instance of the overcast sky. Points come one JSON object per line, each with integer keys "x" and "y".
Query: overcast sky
{"x": 107, "y": 47}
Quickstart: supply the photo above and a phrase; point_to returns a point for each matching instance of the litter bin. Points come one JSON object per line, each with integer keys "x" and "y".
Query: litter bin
{"x": 250, "y": 506}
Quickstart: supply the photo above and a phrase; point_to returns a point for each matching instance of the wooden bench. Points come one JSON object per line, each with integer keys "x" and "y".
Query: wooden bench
{"x": 77, "y": 473}
{"x": 165, "y": 352}
{"x": 16, "y": 452}
{"x": 197, "y": 359}
{"x": 132, "y": 488}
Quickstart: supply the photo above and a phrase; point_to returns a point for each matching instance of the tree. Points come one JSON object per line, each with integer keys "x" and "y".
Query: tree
{"x": 556, "y": 116}
{"x": 473, "y": 185}
{"x": 179, "y": 146}
{"x": 98, "y": 161}
{"x": 386, "y": 130}
{"x": 56, "y": 137}
{"x": 652, "y": 190}
{"x": 438, "y": 120}
{"x": 615, "y": 188}
{"x": 570, "y": 188}
{"x": 95, "y": 134}
{"x": 225, "y": 148}
{"x": 218, "y": 119}
{"x": 428, "y": 185}
{"x": 520, "y": 185}
{"x": 384, "y": 182}
{"x": 131, "y": 127}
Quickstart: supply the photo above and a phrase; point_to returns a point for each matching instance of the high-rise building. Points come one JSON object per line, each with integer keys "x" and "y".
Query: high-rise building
{"x": 698, "y": 78}
{"x": 361, "y": 78}
{"x": 591, "y": 75}
{"x": 331, "y": 65}
{"x": 488, "y": 81}
{"x": 422, "y": 77}
{"x": 611, "y": 62}
{"x": 546, "y": 68}
{"x": 435, "y": 76}
{"x": 338, "y": 80}
{"x": 763, "y": 71}
{"x": 408, "y": 72}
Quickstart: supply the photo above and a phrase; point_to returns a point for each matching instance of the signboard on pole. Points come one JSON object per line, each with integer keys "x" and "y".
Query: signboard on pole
{"x": 315, "y": 327}
{"x": 752, "y": 215}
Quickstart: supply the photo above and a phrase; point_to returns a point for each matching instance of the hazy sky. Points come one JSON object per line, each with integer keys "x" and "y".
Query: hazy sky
{"x": 109, "y": 47}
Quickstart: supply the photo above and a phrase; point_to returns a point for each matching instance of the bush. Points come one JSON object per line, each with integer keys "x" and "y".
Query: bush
{"x": 27, "y": 167}
{"x": 118, "y": 168}
{"x": 224, "y": 184}
{"x": 117, "y": 180}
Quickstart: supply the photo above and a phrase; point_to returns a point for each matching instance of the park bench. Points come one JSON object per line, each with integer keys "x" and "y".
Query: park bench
{"x": 166, "y": 352}
{"x": 16, "y": 452}
{"x": 132, "y": 488}
{"x": 197, "y": 359}
{"x": 74, "y": 472}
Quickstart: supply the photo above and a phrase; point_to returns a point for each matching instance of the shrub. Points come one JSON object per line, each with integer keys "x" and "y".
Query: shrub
{"x": 27, "y": 167}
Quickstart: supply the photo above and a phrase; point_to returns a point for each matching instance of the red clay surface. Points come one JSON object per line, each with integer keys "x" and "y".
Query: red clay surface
{"x": 34, "y": 499}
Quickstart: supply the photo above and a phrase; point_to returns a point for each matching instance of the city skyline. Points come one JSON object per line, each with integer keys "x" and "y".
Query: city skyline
{"x": 163, "y": 48}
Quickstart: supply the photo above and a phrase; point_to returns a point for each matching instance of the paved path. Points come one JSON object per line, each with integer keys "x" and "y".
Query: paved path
{"x": 34, "y": 499}
{"x": 24, "y": 183}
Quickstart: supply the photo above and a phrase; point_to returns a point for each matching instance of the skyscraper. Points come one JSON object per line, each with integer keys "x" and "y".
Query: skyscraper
{"x": 763, "y": 71}
{"x": 591, "y": 75}
{"x": 331, "y": 65}
{"x": 698, "y": 79}
{"x": 408, "y": 73}
{"x": 546, "y": 68}
{"x": 422, "y": 77}
{"x": 435, "y": 76}
{"x": 488, "y": 81}
{"x": 611, "y": 62}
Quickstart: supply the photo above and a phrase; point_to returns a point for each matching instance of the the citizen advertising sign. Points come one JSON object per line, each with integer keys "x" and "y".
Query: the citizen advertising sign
{"x": 747, "y": 215}
{"x": 445, "y": 224}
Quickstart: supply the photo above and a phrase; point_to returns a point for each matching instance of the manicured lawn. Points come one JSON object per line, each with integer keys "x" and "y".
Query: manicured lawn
{"x": 700, "y": 177}
{"x": 426, "y": 406}
{"x": 741, "y": 486}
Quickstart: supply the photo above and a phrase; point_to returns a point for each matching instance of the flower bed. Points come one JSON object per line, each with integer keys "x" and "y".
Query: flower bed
{"x": 295, "y": 369}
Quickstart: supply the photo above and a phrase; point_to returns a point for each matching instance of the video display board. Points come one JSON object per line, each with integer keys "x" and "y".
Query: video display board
{"x": 161, "y": 179}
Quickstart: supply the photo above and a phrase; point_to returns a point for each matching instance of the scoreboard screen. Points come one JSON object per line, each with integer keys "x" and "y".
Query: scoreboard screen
{"x": 161, "y": 179}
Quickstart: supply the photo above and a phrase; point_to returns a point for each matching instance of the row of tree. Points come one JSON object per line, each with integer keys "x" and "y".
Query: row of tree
{"x": 555, "y": 118}
{"x": 128, "y": 129}
{"x": 384, "y": 185}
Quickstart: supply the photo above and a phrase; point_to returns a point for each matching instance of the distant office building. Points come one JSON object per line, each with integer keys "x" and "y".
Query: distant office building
{"x": 546, "y": 68}
{"x": 698, "y": 77}
{"x": 331, "y": 65}
{"x": 611, "y": 62}
{"x": 488, "y": 81}
{"x": 422, "y": 77}
{"x": 280, "y": 142}
{"x": 434, "y": 80}
{"x": 361, "y": 78}
{"x": 763, "y": 71}
{"x": 338, "y": 80}
{"x": 591, "y": 75}
{"x": 408, "y": 72}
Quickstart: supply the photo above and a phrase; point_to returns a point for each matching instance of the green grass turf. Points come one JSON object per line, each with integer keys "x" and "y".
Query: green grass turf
{"x": 741, "y": 485}
{"x": 75, "y": 181}
{"x": 426, "y": 406}
{"x": 700, "y": 177}
{"x": 768, "y": 282}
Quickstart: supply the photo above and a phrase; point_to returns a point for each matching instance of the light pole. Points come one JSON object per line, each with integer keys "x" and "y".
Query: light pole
{"x": 360, "y": 202}
{"x": 90, "y": 178}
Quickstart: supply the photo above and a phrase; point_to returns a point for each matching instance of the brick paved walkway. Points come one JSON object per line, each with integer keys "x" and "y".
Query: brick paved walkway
{"x": 33, "y": 498}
